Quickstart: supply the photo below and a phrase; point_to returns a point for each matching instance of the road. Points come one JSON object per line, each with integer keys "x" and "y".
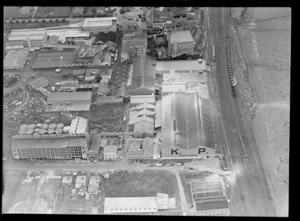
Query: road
{"x": 251, "y": 194}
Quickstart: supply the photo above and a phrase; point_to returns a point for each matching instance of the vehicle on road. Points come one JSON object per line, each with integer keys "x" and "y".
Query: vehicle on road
{"x": 57, "y": 70}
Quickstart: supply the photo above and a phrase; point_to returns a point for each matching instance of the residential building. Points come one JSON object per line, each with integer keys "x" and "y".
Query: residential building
{"x": 180, "y": 42}
{"x": 110, "y": 152}
{"x": 69, "y": 101}
{"x": 49, "y": 147}
{"x": 102, "y": 24}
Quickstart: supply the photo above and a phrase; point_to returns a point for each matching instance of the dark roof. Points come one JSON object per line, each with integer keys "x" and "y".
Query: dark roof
{"x": 68, "y": 96}
{"x": 143, "y": 77}
{"x": 48, "y": 141}
{"x": 211, "y": 205}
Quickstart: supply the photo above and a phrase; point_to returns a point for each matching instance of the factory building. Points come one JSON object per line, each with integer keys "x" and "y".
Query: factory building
{"x": 69, "y": 101}
{"x": 143, "y": 77}
{"x": 138, "y": 205}
{"x": 102, "y": 24}
{"x": 53, "y": 141}
{"x": 15, "y": 59}
{"x": 186, "y": 127}
{"x": 180, "y": 42}
{"x": 141, "y": 120}
{"x": 32, "y": 38}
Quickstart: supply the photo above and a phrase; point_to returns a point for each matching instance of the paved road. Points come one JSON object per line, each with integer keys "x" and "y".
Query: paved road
{"x": 251, "y": 192}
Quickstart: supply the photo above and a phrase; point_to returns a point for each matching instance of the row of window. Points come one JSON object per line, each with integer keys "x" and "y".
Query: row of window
{"x": 133, "y": 209}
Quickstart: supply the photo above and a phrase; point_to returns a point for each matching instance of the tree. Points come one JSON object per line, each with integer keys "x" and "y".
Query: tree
{"x": 98, "y": 78}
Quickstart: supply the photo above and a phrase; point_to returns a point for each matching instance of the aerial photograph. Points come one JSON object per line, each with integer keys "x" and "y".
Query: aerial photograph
{"x": 163, "y": 111}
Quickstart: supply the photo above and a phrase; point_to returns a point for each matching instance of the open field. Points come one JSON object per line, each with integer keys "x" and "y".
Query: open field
{"x": 54, "y": 12}
{"x": 11, "y": 12}
{"x": 44, "y": 192}
{"x": 265, "y": 48}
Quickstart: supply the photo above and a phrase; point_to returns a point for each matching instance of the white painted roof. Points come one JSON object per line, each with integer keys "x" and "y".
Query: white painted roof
{"x": 94, "y": 22}
{"x": 78, "y": 126}
{"x": 130, "y": 204}
{"x": 184, "y": 65}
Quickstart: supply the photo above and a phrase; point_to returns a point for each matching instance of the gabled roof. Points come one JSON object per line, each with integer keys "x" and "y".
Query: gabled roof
{"x": 143, "y": 78}
{"x": 69, "y": 96}
{"x": 181, "y": 36}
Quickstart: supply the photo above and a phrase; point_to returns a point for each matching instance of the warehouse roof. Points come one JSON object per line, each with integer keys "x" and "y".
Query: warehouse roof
{"x": 143, "y": 78}
{"x": 78, "y": 126}
{"x": 212, "y": 205}
{"x": 130, "y": 204}
{"x": 96, "y": 22}
{"x": 40, "y": 82}
{"x": 110, "y": 149}
{"x": 15, "y": 59}
{"x": 180, "y": 66}
{"x": 181, "y": 36}
{"x": 71, "y": 83}
{"x": 69, "y": 96}
{"x": 48, "y": 141}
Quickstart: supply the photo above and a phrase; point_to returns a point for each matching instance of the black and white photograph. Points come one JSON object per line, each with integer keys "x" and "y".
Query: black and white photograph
{"x": 146, "y": 111}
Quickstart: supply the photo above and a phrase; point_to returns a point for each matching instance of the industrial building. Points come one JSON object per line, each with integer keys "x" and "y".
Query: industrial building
{"x": 138, "y": 205}
{"x": 32, "y": 38}
{"x": 51, "y": 141}
{"x": 209, "y": 198}
{"x": 187, "y": 129}
{"x": 53, "y": 60}
{"x": 71, "y": 85}
{"x": 134, "y": 44}
{"x": 15, "y": 59}
{"x": 143, "y": 77}
{"x": 179, "y": 43}
{"x": 141, "y": 148}
{"x": 110, "y": 152}
{"x": 141, "y": 119}
{"x": 69, "y": 101}
{"x": 102, "y": 24}
{"x": 181, "y": 67}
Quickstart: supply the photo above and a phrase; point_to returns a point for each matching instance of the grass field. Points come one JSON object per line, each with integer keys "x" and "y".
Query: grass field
{"x": 147, "y": 183}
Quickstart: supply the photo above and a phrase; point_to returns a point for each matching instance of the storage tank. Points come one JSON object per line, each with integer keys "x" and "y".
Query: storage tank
{"x": 44, "y": 126}
{"x": 58, "y": 131}
{"x": 60, "y": 125}
{"x": 31, "y": 126}
{"x": 23, "y": 126}
{"x": 52, "y": 126}
{"x": 42, "y": 131}
{"x": 29, "y": 131}
{"x": 50, "y": 131}
{"x": 39, "y": 125}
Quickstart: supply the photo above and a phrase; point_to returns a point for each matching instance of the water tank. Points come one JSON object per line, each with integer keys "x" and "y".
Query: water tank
{"x": 52, "y": 126}
{"x": 44, "y": 126}
{"x": 60, "y": 125}
{"x": 31, "y": 126}
{"x": 50, "y": 131}
{"x": 58, "y": 131}
{"x": 42, "y": 131}
{"x": 29, "y": 131}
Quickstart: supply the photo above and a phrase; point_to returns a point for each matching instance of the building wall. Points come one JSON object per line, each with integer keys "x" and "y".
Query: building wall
{"x": 48, "y": 153}
{"x": 110, "y": 156}
{"x": 216, "y": 212}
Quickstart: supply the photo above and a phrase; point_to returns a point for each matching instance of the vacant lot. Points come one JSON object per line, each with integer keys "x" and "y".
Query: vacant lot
{"x": 107, "y": 117}
{"x": 11, "y": 12}
{"x": 147, "y": 183}
{"x": 53, "y": 12}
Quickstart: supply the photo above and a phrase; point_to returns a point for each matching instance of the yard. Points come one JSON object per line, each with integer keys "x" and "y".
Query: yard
{"x": 11, "y": 12}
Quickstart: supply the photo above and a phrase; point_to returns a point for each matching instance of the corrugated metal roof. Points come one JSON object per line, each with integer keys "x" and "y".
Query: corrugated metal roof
{"x": 40, "y": 82}
{"x": 48, "y": 142}
{"x": 78, "y": 126}
{"x": 96, "y": 22}
{"x": 184, "y": 65}
{"x": 143, "y": 78}
{"x": 211, "y": 205}
{"x": 129, "y": 204}
{"x": 69, "y": 96}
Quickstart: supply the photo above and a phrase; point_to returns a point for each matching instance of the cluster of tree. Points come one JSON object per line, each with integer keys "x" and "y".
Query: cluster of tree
{"x": 9, "y": 81}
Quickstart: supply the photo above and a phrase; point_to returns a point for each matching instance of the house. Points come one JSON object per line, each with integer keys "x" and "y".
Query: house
{"x": 110, "y": 152}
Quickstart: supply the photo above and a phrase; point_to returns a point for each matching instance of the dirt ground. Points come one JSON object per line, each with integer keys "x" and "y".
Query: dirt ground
{"x": 266, "y": 93}
{"x": 43, "y": 192}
